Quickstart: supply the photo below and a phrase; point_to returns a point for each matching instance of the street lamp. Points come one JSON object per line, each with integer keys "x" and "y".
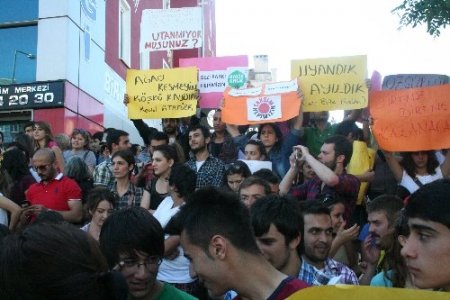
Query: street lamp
{"x": 29, "y": 55}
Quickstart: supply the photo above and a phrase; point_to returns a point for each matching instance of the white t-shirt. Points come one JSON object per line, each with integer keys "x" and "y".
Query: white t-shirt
{"x": 3, "y": 215}
{"x": 175, "y": 270}
{"x": 411, "y": 186}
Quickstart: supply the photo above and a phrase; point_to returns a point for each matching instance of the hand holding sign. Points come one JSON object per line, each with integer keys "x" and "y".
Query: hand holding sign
{"x": 274, "y": 102}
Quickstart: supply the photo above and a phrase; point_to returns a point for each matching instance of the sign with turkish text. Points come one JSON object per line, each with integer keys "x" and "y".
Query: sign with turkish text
{"x": 215, "y": 74}
{"x": 407, "y": 81}
{"x": 163, "y": 93}
{"x": 412, "y": 119}
{"x": 171, "y": 29}
{"x": 336, "y": 83}
{"x": 272, "y": 102}
{"x": 44, "y": 94}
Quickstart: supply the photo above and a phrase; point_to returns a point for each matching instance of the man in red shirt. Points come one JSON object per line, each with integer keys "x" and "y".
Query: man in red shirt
{"x": 55, "y": 191}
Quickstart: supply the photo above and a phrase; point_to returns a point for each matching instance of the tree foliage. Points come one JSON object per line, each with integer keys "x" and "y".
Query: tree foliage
{"x": 434, "y": 13}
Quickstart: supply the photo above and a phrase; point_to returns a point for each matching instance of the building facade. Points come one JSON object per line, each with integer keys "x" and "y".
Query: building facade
{"x": 65, "y": 61}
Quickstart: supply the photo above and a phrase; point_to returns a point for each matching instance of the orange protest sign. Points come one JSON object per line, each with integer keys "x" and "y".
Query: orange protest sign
{"x": 272, "y": 102}
{"x": 412, "y": 119}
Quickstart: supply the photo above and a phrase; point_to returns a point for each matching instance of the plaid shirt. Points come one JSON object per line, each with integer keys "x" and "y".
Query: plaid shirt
{"x": 103, "y": 173}
{"x": 347, "y": 189}
{"x": 132, "y": 196}
{"x": 333, "y": 272}
{"x": 210, "y": 173}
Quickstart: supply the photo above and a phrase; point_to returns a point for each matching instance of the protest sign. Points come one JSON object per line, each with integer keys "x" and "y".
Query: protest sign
{"x": 163, "y": 93}
{"x": 412, "y": 119}
{"x": 215, "y": 74}
{"x": 407, "y": 81}
{"x": 272, "y": 102}
{"x": 332, "y": 83}
{"x": 357, "y": 292}
{"x": 256, "y": 165}
{"x": 171, "y": 29}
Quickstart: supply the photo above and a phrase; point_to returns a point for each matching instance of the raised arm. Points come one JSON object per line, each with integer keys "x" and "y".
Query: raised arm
{"x": 445, "y": 167}
{"x": 286, "y": 182}
{"x": 394, "y": 165}
{"x": 325, "y": 174}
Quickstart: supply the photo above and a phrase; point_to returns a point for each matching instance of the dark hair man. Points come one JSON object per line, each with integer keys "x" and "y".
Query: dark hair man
{"x": 277, "y": 223}
{"x": 331, "y": 178}
{"x": 115, "y": 140}
{"x": 253, "y": 188}
{"x": 317, "y": 267}
{"x": 28, "y": 128}
{"x": 383, "y": 212}
{"x": 132, "y": 241}
{"x": 218, "y": 240}
{"x": 427, "y": 248}
{"x": 210, "y": 170}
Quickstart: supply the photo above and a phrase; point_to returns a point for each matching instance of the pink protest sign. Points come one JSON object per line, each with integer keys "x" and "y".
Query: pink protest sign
{"x": 214, "y": 76}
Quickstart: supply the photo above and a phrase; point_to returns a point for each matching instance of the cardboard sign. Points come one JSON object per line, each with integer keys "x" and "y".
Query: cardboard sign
{"x": 164, "y": 93}
{"x": 272, "y": 102}
{"x": 408, "y": 81}
{"x": 332, "y": 83}
{"x": 412, "y": 119}
{"x": 214, "y": 76}
{"x": 357, "y": 292}
{"x": 171, "y": 29}
{"x": 256, "y": 165}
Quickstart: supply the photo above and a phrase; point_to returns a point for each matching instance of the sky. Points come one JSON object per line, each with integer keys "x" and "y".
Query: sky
{"x": 297, "y": 29}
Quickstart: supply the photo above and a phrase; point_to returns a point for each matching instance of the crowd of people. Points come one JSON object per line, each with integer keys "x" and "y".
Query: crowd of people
{"x": 195, "y": 213}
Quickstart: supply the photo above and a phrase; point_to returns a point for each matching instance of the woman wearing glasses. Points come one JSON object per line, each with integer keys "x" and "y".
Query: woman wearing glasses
{"x": 163, "y": 159}
{"x": 80, "y": 140}
{"x": 235, "y": 173}
{"x": 43, "y": 138}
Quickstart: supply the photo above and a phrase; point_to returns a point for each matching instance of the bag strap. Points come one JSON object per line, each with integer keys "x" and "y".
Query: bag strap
{"x": 417, "y": 181}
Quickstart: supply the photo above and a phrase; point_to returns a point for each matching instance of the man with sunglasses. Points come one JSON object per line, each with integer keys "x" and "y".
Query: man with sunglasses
{"x": 55, "y": 191}
{"x": 132, "y": 241}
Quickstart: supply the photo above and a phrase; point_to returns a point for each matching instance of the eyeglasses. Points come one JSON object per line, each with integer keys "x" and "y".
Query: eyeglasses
{"x": 131, "y": 265}
{"x": 41, "y": 168}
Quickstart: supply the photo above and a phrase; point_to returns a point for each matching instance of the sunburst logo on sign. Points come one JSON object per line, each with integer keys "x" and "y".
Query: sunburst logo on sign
{"x": 264, "y": 108}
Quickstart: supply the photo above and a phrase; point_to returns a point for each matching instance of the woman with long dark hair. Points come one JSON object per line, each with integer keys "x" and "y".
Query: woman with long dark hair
{"x": 43, "y": 138}
{"x": 16, "y": 165}
{"x": 417, "y": 168}
{"x": 163, "y": 159}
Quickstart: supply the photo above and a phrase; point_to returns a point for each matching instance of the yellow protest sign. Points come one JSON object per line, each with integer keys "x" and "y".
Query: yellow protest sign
{"x": 355, "y": 292}
{"x": 163, "y": 93}
{"x": 332, "y": 83}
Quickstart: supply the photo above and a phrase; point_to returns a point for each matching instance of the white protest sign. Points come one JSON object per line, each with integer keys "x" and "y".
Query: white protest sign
{"x": 171, "y": 29}
{"x": 256, "y": 165}
{"x": 264, "y": 108}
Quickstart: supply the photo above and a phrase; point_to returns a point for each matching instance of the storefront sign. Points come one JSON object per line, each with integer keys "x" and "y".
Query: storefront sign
{"x": 32, "y": 95}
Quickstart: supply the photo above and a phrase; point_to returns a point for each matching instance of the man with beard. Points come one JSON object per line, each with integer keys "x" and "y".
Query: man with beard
{"x": 222, "y": 145}
{"x": 317, "y": 268}
{"x": 210, "y": 170}
{"x": 383, "y": 212}
{"x": 55, "y": 191}
{"x": 331, "y": 179}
